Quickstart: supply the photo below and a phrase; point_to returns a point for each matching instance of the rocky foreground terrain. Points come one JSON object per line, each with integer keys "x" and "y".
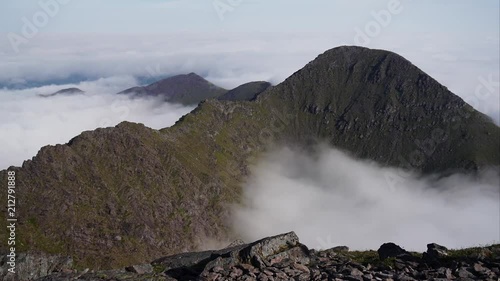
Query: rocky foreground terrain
{"x": 283, "y": 257}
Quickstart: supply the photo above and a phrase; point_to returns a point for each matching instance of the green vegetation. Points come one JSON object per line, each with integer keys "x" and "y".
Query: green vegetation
{"x": 162, "y": 190}
{"x": 491, "y": 251}
{"x": 370, "y": 257}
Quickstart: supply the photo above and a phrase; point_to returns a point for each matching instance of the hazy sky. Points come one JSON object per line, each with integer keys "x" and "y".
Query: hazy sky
{"x": 464, "y": 17}
{"x": 235, "y": 41}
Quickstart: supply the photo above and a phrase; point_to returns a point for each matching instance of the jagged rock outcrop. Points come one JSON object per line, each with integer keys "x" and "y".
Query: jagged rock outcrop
{"x": 391, "y": 250}
{"x": 124, "y": 195}
{"x": 31, "y": 266}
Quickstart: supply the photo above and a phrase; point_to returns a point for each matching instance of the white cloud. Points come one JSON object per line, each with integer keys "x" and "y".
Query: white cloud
{"x": 30, "y": 121}
{"x": 226, "y": 59}
{"x": 231, "y": 59}
{"x": 331, "y": 199}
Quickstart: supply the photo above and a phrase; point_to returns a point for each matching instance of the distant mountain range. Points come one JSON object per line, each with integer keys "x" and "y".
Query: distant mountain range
{"x": 185, "y": 89}
{"x": 129, "y": 194}
{"x": 188, "y": 89}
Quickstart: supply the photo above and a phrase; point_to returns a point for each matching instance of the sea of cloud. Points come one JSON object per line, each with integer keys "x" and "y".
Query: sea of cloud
{"x": 31, "y": 121}
{"x": 230, "y": 59}
{"x": 330, "y": 198}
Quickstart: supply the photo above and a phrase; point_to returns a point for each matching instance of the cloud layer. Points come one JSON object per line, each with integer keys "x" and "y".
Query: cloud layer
{"x": 231, "y": 59}
{"x": 30, "y": 121}
{"x": 331, "y": 199}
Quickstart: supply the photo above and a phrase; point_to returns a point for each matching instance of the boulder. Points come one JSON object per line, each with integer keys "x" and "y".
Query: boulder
{"x": 265, "y": 252}
{"x": 260, "y": 254}
{"x": 340, "y": 249}
{"x": 437, "y": 250}
{"x": 140, "y": 269}
{"x": 30, "y": 266}
{"x": 391, "y": 250}
{"x": 434, "y": 253}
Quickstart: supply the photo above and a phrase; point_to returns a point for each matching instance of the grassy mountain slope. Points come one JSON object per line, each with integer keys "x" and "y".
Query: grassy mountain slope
{"x": 129, "y": 194}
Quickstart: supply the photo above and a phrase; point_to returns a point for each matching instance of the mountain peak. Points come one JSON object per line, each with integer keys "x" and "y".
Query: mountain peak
{"x": 246, "y": 92}
{"x": 370, "y": 103}
{"x": 192, "y": 74}
{"x": 187, "y": 89}
{"x": 181, "y": 78}
{"x": 349, "y": 95}
{"x": 68, "y": 91}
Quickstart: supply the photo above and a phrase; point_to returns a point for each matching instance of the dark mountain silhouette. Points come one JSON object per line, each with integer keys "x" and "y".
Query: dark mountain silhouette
{"x": 188, "y": 89}
{"x": 248, "y": 91}
{"x": 68, "y": 91}
{"x": 129, "y": 194}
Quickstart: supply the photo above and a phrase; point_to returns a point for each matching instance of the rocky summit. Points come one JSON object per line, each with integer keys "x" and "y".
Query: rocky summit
{"x": 128, "y": 194}
{"x": 283, "y": 257}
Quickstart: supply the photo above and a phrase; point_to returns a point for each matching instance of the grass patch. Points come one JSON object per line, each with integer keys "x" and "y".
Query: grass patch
{"x": 370, "y": 257}
{"x": 491, "y": 251}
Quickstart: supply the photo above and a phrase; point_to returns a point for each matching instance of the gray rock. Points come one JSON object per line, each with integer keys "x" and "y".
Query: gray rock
{"x": 479, "y": 268}
{"x": 141, "y": 269}
{"x": 235, "y": 243}
{"x": 436, "y": 250}
{"x": 434, "y": 254}
{"x": 353, "y": 278}
{"x": 391, "y": 250}
{"x": 187, "y": 260}
{"x": 301, "y": 267}
{"x": 340, "y": 249}
{"x": 30, "y": 266}
{"x": 464, "y": 273}
{"x": 444, "y": 272}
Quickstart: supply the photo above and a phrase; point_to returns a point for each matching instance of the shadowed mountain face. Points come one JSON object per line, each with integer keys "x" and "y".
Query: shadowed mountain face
{"x": 69, "y": 91}
{"x": 246, "y": 92}
{"x": 379, "y": 106}
{"x": 189, "y": 89}
{"x": 129, "y": 194}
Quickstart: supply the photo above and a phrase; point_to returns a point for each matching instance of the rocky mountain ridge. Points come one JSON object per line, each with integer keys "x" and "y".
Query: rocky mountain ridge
{"x": 246, "y": 92}
{"x": 82, "y": 199}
